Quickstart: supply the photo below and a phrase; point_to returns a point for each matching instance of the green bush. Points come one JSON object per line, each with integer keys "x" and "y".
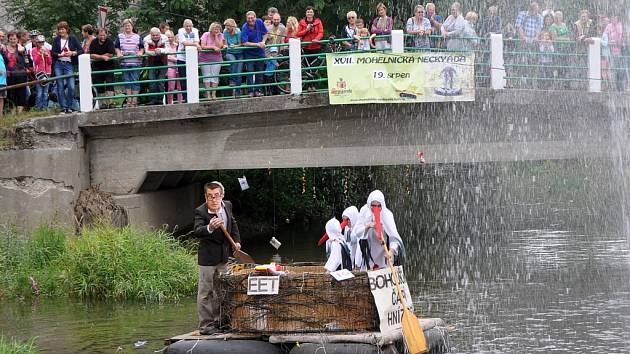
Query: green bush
{"x": 12, "y": 346}
{"x": 128, "y": 263}
{"x": 103, "y": 262}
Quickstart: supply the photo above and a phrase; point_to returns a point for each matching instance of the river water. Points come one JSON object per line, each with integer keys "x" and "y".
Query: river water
{"x": 517, "y": 258}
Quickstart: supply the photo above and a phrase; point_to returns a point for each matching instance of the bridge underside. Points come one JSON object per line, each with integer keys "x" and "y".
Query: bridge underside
{"x": 131, "y": 152}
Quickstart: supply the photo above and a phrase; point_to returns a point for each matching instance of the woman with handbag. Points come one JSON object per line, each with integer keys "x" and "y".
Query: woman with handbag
{"x": 15, "y": 55}
{"x": 65, "y": 52}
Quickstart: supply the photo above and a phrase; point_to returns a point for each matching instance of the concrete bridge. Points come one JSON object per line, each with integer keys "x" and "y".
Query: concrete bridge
{"x": 147, "y": 157}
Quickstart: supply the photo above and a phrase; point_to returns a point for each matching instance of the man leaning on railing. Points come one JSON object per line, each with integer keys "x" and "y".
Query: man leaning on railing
{"x": 277, "y": 32}
{"x": 528, "y": 26}
{"x": 101, "y": 52}
{"x": 155, "y": 48}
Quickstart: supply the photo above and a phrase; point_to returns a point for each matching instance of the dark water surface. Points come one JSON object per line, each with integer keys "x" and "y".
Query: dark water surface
{"x": 527, "y": 258}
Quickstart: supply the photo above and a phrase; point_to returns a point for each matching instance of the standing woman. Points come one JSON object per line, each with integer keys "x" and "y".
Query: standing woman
{"x": 613, "y": 35}
{"x": 232, "y": 36}
{"x": 382, "y": 25}
{"x": 65, "y": 53}
{"x": 311, "y": 29}
{"x": 420, "y": 27}
{"x": 129, "y": 44}
{"x": 88, "y": 37}
{"x": 186, "y": 36}
{"x": 292, "y": 28}
{"x": 212, "y": 43}
{"x": 15, "y": 56}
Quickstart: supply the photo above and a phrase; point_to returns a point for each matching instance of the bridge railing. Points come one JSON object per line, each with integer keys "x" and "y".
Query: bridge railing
{"x": 500, "y": 63}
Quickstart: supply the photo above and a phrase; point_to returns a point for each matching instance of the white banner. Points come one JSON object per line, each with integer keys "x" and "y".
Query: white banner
{"x": 389, "y": 307}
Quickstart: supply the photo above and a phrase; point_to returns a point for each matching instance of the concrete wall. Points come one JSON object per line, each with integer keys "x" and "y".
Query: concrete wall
{"x": 42, "y": 176}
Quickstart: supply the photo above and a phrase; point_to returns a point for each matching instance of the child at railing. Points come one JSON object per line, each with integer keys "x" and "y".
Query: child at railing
{"x": 171, "y": 72}
{"x": 42, "y": 66}
{"x": 545, "y": 59}
{"x": 363, "y": 38}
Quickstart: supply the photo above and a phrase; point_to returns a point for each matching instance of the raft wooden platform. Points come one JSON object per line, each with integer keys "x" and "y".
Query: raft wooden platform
{"x": 375, "y": 338}
{"x": 216, "y": 336}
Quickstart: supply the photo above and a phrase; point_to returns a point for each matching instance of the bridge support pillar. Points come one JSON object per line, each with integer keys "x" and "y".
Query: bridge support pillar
{"x": 85, "y": 83}
{"x": 497, "y": 70}
{"x": 595, "y": 66}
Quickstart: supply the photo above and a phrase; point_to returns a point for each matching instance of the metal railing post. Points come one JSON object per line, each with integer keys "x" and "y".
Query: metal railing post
{"x": 192, "y": 75}
{"x": 595, "y": 66}
{"x": 497, "y": 68}
{"x": 398, "y": 41}
{"x": 295, "y": 65}
{"x": 85, "y": 83}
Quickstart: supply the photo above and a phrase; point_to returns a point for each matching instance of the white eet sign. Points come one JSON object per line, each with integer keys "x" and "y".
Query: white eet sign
{"x": 265, "y": 285}
{"x": 386, "y": 298}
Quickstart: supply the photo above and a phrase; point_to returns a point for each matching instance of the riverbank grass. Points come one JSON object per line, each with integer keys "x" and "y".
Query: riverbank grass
{"x": 103, "y": 262}
{"x": 12, "y": 346}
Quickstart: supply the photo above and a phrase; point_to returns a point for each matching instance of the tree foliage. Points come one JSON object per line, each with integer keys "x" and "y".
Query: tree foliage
{"x": 44, "y": 14}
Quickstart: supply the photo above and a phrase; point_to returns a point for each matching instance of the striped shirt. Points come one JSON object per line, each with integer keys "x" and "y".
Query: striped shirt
{"x": 129, "y": 46}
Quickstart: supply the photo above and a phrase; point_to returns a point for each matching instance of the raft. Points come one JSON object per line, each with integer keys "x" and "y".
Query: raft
{"x": 311, "y": 313}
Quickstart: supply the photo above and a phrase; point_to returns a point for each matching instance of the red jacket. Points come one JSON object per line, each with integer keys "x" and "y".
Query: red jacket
{"x": 39, "y": 63}
{"x": 314, "y": 34}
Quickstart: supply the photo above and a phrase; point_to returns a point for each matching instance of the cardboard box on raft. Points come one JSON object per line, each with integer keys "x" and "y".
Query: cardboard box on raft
{"x": 308, "y": 300}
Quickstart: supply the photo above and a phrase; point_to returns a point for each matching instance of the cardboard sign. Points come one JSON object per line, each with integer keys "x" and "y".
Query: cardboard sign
{"x": 386, "y": 298}
{"x": 342, "y": 274}
{"x": 264, "y": 285}
{"x": 243, "y": 183}
{"x": 275, "y": 243}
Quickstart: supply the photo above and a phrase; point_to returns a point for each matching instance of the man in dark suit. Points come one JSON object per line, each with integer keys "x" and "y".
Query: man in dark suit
{"x": 214, "y": 250}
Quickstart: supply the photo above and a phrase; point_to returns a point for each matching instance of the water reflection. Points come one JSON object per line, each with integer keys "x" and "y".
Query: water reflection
{"x": 76, "y": 327}
{"x": 571, "y": 297}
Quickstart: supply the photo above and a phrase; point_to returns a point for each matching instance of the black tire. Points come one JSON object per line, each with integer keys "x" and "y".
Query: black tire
{"x": 283, "y": 78}
{"x": 223, "y": 347}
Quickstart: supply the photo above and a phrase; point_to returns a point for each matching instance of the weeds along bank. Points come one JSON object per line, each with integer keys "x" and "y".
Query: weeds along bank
{"x": 103, "y": 262}
{"x": 12, "y": 346}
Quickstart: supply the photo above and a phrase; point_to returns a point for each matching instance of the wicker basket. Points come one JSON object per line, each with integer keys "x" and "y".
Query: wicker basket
{"x": 309, "y": 300}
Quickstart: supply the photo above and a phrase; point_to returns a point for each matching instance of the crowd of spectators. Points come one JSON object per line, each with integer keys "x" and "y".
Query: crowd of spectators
{"x": 537, "y": 38}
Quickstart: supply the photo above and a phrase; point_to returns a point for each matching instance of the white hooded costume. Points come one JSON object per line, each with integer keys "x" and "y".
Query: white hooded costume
{"x": 352, "y": 213}
{"x": 337, "y": 245}
{"x": 376, "y": 256}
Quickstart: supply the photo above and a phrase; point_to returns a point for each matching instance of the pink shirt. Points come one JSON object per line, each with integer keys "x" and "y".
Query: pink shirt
{"x": 39, "y": 63}
{"x": 206, "y": 40}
